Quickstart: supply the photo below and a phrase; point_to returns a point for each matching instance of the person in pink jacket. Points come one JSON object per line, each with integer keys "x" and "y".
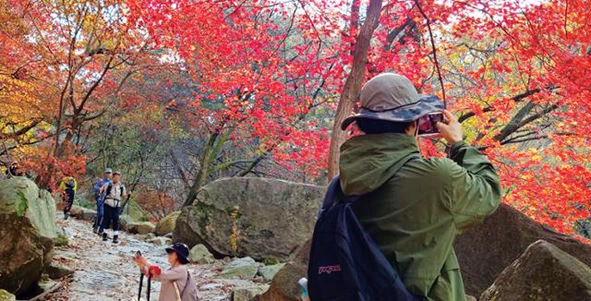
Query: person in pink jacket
{"x": 177, "y": 283}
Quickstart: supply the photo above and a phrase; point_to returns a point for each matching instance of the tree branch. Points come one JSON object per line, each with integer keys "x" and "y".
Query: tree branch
{"x": 518, "y": 120}
{"x": 516, "y": 98}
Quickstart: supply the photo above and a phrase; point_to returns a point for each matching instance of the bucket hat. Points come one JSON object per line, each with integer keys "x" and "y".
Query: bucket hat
{"x": 392, "y": 97}
{"x": 181, "y": 250}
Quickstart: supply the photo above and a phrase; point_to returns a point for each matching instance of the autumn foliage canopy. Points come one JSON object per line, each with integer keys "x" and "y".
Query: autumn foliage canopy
{"x": 259, "y": 82}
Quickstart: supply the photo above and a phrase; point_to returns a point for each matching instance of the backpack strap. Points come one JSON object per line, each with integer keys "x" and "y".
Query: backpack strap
{"x": 180, "y": 295}
{"x": 109, "y": 188}
{"x": 186, "y": 284}
{"x": 335, "y": 190}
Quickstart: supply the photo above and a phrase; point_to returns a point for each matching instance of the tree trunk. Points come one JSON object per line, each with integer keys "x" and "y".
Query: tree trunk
{"x": 206, "y": 161}
{"x": 353, "y": 82}
{"x": 210, "y": 153}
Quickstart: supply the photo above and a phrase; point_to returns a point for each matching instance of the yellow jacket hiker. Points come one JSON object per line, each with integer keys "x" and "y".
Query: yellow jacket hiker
{"x": 415, "y": 214}
{"x": 68, "y": 187}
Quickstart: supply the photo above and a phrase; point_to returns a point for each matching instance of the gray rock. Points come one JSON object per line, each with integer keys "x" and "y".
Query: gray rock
{"x": 210, "y": 286}
{"x": 284, "y": 286}
{"x": 61, "y": 240}
{"x": 135, "y": 211}
{"x": 82, "y": 213}
{"x": 27, "y": 216}
{"x": 58, "y": 271}
{"x": 248, "y": 293}
{"x": 243, "y": 268}
{"x": 485, "y": 250}
{"x": 269, "y": 271}
{"x": 124, "y": 220}
{"x": 65, "y": 232}
{"x": 140, "y": 228}
{"x": 161, "y": 241}
{"x": 146, "y": 237}
{"x": 253, "y": 217}
{"x": 200, "y": 254}
{"x": 6, "y": 296}
{"x": 167, "y": 224}
{"x": 543, "y": 272}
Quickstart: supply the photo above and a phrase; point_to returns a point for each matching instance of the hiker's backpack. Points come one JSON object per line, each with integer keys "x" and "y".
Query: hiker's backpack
{"x": 70, "y": 183}
{"x": 345, "y": 263}
{"x": 110, "y": 188}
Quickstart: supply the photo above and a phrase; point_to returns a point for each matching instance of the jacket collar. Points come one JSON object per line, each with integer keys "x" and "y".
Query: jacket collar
{"x": 368, "y": 161}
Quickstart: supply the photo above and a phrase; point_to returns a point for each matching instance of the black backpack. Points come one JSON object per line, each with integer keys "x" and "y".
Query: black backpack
{"x": 345, "y": 263}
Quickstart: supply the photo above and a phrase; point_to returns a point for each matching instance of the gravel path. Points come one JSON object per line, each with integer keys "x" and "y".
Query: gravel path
{"x": 105, "y": 271}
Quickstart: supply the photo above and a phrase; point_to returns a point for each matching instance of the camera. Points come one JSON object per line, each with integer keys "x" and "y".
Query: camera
{"x": 428, "y": 124}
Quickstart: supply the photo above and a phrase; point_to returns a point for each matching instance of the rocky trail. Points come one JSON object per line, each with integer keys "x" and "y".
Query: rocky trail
{"x": 105, "y": 271}
{"x": 501, "y": 258}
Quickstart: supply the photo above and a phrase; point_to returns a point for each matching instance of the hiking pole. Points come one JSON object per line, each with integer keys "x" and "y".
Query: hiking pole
{"x": 139, "y": 295}
{"x": 149, "y": 284}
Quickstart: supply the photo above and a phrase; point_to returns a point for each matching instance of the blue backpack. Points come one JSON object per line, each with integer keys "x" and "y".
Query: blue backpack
{"x": 345, "y": 263}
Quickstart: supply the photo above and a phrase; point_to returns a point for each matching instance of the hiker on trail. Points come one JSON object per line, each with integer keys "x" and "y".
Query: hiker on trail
{"x": 413, "y": 209}
{"x": 14, "y": 170}
{"x": 177, "y": 282}
{"x": 68, "y": 187}
{"x": 114, "y": 193}
{"x": 100, "y": 198}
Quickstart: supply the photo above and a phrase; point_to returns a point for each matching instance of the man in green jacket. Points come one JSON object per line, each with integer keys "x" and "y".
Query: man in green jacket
{"x": 414, "y": 214}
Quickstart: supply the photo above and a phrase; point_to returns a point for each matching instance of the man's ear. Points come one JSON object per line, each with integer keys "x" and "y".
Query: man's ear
{"x": 412, "y": 129}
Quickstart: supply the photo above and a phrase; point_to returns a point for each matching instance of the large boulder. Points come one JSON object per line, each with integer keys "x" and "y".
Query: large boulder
{"x": 284, "y": 286}
{"x": 135, "y": 211}
{"x": 543, "y": 272}
{"x": 83, "y": 213}
{"x": 27, "y": 216}
{"x": 140, "y": 228}
{"x": 167, "y": 224}
{"x": 250, "y": 217}
{"x": 486, "y": 249}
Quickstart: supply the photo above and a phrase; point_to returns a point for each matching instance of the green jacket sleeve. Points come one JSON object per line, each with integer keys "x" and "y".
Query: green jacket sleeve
{"x": 474, "y": 187}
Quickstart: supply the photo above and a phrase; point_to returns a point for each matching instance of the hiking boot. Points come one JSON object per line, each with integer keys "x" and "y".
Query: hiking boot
{"x": 115, "y": 241}
{"x": 105, "y": 236}
{"x": 95, "y": 231}
{"x": 65, "y": 216}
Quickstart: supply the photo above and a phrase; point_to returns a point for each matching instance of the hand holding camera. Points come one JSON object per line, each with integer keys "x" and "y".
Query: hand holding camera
{"x": 450, "y": 128}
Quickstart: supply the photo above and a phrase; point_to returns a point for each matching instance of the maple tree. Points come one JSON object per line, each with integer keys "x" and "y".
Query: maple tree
{"x": 72, "y": 60}
{"x": 252, "y": 85}
{"x": 515, "y": 75}
{"x": 243, "y": 88}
